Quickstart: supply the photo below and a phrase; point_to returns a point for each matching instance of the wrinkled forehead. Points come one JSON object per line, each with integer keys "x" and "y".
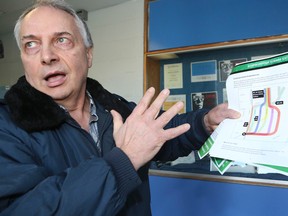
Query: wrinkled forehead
{"x": 45, "y": 18}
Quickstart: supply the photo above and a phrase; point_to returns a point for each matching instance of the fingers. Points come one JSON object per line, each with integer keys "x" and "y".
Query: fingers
{"x": 144, "y": 102}
{"x": 151, "y": 111}
{"x": 142, "y": 135}
{"x": 155, "y": 107}
{"x": 233, "y": 114}
{"x": 228, "y": 113}
{"x": 169, "y": 114}
{"x": 174, "y": 132}
{"x": 215, "y": 116}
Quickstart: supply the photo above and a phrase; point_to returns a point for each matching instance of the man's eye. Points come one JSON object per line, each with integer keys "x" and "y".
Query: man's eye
{"x": 63, "y": 43}
{"x": 30, "y": 44}
{"x": 62, "y": 40}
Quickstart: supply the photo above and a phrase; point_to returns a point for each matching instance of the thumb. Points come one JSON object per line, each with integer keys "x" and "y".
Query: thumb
{"x": 228, "y": 113}
{"x": 233, "y": 114}
{"x": 117, "y": 121}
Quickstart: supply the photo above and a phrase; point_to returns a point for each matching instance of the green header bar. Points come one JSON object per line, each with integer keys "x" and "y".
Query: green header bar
{"x": 251, "y": 65}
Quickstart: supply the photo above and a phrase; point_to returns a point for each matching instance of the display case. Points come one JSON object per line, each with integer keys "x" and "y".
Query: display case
{"x": 194, "y": 60}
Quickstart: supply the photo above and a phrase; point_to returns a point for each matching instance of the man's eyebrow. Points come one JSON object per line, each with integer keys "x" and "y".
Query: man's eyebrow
{"x": 62, "y": 33}
{"x": 28, "y": 37}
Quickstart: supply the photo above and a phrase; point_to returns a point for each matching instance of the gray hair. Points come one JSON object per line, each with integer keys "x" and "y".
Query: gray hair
{"x": 61, "y": 5}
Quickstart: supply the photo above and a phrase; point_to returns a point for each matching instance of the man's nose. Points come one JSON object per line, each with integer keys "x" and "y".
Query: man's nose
{"x": 48, "y": 54}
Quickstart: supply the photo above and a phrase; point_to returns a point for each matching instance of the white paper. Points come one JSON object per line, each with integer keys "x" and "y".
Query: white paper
{"x": 260, "y": 135}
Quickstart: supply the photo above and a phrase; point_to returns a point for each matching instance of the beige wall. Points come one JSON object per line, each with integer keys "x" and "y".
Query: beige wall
{"x": 118, "y": 54}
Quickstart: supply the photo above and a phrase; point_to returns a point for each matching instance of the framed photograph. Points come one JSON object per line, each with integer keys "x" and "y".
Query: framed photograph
{"x": 226, "y": 66}
{"x": 203, "y": 71}
{"x": 173, "y": 76}
{"x": 204, "y": 100}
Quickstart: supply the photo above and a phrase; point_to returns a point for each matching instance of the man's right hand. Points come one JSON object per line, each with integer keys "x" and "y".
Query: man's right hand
{"x": 142, "y": 135}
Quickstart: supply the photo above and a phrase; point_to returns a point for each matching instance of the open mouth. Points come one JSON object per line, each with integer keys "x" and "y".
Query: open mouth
{"x": 55, "y": 79}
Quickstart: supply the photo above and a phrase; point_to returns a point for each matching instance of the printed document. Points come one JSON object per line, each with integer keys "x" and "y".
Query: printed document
{"x": 259, "y": 91}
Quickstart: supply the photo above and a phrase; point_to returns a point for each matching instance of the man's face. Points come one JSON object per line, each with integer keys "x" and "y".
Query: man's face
{"x": 54, "y": 57}
{"x": 198, "y": 100}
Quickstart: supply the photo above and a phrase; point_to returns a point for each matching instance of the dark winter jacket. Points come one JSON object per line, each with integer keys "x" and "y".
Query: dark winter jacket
{"x": 50, "y": 166}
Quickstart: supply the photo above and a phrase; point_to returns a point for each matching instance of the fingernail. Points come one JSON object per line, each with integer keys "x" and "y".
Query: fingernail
{"x": 166, "y": 91}
{"x": 180, "y": 104}
{"x": 151, "y": 89}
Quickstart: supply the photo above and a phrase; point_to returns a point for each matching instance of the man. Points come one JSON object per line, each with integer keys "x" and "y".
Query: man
{"x": 198, "y": 101}
{"x": 64, "y": 148}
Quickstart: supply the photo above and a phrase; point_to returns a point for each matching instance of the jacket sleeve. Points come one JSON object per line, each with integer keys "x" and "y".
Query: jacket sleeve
{"x": 94, "y": 187}
{"x": 187, "y": 142}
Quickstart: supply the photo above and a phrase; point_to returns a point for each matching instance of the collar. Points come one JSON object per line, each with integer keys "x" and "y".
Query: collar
{"x": 33, "y": 110}
{"x": 93, "y": 114}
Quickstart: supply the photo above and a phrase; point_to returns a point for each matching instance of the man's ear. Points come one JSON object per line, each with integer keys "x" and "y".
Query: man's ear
{"x": 89, "y": 53}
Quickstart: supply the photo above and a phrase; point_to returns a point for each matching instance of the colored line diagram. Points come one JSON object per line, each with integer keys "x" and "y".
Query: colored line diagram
{"x": 265, "y": 116}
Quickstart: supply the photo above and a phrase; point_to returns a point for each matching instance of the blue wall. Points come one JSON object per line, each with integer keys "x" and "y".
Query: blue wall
{"x": 185, "y": 197}
{"x": 178, "y": 23}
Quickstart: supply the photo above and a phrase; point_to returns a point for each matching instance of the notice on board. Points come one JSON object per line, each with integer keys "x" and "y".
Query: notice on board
{"x": 258, "y": 90}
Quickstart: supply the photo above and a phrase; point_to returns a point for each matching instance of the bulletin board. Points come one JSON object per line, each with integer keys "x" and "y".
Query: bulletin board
{"x": 203, "y": 75}
{"x": 206, "y": 71}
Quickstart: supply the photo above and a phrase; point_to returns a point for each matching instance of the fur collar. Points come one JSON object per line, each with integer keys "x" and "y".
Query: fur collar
{"x": 33, "y": 110}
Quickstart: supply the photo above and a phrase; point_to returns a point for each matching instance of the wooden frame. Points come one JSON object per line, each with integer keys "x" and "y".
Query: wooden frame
{"x": 152, "y": 78}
